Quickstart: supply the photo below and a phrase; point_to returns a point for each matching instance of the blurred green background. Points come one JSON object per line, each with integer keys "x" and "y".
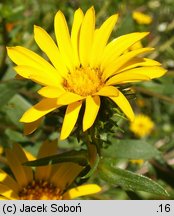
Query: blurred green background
{"x": 17, "y": 18}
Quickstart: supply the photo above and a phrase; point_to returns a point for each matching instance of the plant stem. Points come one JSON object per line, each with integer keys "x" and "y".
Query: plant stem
{"x": 154, "y": 94}
{"x": 92, "y": 148}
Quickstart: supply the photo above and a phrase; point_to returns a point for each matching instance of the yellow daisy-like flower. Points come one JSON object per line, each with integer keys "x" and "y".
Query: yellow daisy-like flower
{"x": 141, "y": 18}
{"x": 142, "y": 125}
{"x": 46, "y": 182}
{"x": 84, "y": 66}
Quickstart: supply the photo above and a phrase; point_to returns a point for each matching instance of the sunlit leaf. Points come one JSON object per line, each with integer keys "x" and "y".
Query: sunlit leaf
{"x": 15, "y": 136}
{"x": 7, "y": 91}
{"x": 15, "y": 108}
{"x": 129, "y": 180}
{"x": 130, "y": 149}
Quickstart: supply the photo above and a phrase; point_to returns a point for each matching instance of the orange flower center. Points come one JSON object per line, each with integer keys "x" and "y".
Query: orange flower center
{"x": 40, "y": 190}
{"x": 84, "y": 81}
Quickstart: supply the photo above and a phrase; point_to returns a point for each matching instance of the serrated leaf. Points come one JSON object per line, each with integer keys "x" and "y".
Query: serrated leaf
{"x": 79, "y": 157}
{"x": 129, "y": 180}
{"x": 130, "y": 149}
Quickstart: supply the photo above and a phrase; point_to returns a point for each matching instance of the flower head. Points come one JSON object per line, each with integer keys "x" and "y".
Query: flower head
{"x": 46, "y": 182}
{"x": 141, "y": 18}
{"x": 84, "y": 67}
{"x": 142, "y": 125}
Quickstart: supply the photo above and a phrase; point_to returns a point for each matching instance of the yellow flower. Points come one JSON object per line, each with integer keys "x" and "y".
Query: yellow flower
{"x": 84, "y": 66}
{"x": 46, "y": 182}
{"x": 142, "y": 125}
{"x": 141, "y": 18}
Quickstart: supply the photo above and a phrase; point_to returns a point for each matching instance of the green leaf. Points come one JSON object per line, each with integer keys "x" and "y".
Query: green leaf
{"x": 79, "y": 157}
{"x": 130, "y": 149}
{"x": 15, "y": 136}
{"x": 15, "y": 109}
{"x": 7, "y": 91}
{"x": 129, "y": 180}
{"x": 164, "y": 89}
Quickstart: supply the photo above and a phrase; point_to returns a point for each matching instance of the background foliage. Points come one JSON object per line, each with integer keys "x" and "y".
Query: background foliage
{"x": 154, "y": 98}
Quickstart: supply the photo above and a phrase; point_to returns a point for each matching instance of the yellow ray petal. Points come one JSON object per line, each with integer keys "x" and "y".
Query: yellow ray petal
{"x": 32, "y": 126}
{"x": 68, "y": 98}
{"x": 16, "y": 167}
{"x": 117, "y": 47}
{"x": 22, "y": 56}
{"x": 51, "y": 92}
{"x": 8, "y": 181}
{"x": 91, "y": 111}
{"x": 41, "y": 76}
{"x": 120, "y": 61}
{"x": 141, "y": 18}
{"x": 47, "y": 45}
{"x": 151, "y": 72}
{"x": 48, "y": 148}
{"x": 63, "y": 40}
{"x": 101, "y": 38}
{"x": 29, "y": 156}
{"x": 82, "y": 191}
{"x": 7, "y": 193}
{"x": 70, "y": 119}
{"x": 3, "y": 198}
{"x": 109, "y": 91}
{"x": 78, "y": 18}
{"x": 139, "y": 62}
{"x": 124, "y": 105}
{"x": 18, "y": 151}
{"x": 65, "y": 174}
{"x": 39, "y": 110}
{"x": 126, "y": 77}
{"x": 86, "y": 36}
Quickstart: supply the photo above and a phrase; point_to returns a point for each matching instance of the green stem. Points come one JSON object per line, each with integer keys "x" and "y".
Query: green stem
{"x": 92, "y": 148}
{"x": 154, "y": 94}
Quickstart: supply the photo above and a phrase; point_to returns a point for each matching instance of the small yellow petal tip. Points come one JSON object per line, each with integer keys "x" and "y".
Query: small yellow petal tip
{"x": 36, "y": 27}
{"x": 146, "y": 33}
{"x": 91, "y": 9}
{"x": 59, "y": 13}
{"x": 21, "y": 120}
{"x": 9, "y": 49}
{"x": 96, "y": 188}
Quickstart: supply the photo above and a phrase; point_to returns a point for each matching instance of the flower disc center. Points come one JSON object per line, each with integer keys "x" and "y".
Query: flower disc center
{"x": 40, "y": 190}
{"x": 84, "y": 81}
